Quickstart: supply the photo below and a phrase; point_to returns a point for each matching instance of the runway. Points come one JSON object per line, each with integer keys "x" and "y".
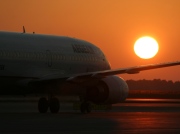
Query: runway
{"x": 127, "y": 118}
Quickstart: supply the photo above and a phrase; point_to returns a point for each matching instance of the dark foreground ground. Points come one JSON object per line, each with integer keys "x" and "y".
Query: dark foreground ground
{"x": 134, "y": 117}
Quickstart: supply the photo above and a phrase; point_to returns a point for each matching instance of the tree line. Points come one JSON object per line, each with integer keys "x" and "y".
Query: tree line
{"x": 155, "y": 84}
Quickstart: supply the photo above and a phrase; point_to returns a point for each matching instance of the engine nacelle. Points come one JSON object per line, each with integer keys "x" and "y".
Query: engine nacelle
{"x": 110, "y": 90}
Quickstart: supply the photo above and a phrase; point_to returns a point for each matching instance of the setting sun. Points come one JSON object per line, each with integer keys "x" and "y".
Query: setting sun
{"x": 146, "y": 47}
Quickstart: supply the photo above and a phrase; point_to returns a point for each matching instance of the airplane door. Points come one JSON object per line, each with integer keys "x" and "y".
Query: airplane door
{"x": 49, "y": 58}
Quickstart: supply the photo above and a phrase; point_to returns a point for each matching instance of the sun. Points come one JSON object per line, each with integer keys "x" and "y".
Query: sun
{"x": 146, "y": 47}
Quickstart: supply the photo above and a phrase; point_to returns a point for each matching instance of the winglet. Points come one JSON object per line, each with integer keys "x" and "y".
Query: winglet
{"x": 24, "y": 30}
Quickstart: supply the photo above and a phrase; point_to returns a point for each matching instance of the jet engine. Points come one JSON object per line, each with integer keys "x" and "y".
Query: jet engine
{"x": 109, "y": 90}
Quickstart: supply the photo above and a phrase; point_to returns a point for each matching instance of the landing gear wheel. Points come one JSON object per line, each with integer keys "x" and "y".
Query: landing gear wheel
{"x": 85, "y": 107}
{"x": 88, "y": 107}
{"x": 54, "y": 105}
{"x": 43, "y": 105}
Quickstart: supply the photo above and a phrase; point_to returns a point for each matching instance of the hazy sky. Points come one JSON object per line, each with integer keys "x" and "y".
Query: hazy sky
{"x": 113, "y": 25}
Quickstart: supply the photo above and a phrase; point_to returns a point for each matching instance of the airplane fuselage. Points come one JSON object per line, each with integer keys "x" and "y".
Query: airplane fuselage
{"x": 33, "y": 56}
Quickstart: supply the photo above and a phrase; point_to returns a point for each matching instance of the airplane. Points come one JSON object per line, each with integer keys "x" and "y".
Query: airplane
{"x": 52, "y": 65}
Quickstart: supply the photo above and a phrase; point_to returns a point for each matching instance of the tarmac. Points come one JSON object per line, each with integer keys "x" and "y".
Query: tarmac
{"x": 131, "y": 117}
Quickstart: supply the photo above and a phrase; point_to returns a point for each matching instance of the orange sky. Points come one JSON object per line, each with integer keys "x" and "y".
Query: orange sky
{"x": 113, "y": 25}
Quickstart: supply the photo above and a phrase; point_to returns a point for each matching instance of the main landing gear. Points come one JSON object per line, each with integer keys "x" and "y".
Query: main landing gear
{"x": 52, "y": 104}
{"x": 85, "y": 107}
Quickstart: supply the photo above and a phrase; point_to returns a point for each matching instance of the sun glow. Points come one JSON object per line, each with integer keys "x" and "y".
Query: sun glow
{"x": 146, "y": 47}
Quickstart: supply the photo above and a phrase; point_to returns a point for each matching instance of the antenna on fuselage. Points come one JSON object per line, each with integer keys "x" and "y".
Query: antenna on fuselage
{"x": 24, "y": 30}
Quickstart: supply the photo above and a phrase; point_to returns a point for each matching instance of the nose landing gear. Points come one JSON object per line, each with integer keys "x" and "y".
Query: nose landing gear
{"x": 53, "y": 104}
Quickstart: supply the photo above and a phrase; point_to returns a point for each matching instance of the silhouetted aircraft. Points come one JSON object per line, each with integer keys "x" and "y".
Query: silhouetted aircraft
{"x": 59, "y": 65}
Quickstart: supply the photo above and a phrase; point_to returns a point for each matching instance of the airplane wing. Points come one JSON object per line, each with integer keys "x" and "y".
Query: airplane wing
{"x": 129, "y": 70}
{"x": 78, "y": 78}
